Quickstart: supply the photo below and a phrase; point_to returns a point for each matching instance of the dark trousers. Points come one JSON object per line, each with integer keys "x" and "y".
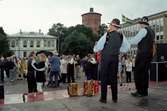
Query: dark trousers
{"x": 128, "y": 76}
{"x": 70, "y": 77}
{"x": 64, "y": 77}
{"x": 53, "y": 75}
{"x": 2, "y": 75}
{"x": 2, "y": 92}
{"x": 109, "y": 70}
{"x": 32, "y": 85}
{"x": 141, "y": 74}
{"x": 89, "y": 75}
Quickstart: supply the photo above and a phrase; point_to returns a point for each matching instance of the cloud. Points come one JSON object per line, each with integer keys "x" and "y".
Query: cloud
{"x": 30, "y": 15}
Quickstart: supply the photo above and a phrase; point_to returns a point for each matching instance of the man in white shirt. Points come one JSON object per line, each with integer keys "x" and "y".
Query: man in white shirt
{"x": 145, "y": 50}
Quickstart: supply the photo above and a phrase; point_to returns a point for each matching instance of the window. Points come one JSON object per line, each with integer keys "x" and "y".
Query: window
{"x": 45, "y": 43}
{"x": 38, "y": 44}
{"x": 157, "y": 37}
{"x": 31, "y": 43}
{"x": 53, "y": 45}
{"x": 49, "y": 44}
{"x": 24, "y": 54}
{"x": 157, "y": 25}
{"x": 24, "y": 43}
{"x": 161, "y": 24}
{"x": 13, "y": 43}
{"x": 161, "y": 37}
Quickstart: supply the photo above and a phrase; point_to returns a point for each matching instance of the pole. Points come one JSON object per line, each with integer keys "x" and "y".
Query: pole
{"x": 157, "y": 75}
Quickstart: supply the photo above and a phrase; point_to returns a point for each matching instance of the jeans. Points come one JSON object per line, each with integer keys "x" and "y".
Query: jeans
{"x": 53, "y": 78}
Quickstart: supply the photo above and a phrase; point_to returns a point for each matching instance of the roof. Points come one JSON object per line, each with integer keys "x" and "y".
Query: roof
{"x": 92, "y": 13}
{"x": 30, "y": 34}
{"x": 150, "y": 17}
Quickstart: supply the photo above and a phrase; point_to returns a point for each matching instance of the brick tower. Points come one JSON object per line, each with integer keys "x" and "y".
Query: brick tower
{"x": 92, "y": 20}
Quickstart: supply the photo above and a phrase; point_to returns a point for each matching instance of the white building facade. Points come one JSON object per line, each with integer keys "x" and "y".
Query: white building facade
{"x": 158, "y": 22}
{"x": 25, "y": 42}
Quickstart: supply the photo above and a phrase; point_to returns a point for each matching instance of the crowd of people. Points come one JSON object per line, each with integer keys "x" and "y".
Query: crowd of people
{"x": 40, "y": 70}
{"x": 106, "y": 65}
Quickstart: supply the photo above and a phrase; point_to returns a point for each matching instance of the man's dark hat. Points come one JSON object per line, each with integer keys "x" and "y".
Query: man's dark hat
{"x": 115, "y": 22}
{"x": 144, "y": 20}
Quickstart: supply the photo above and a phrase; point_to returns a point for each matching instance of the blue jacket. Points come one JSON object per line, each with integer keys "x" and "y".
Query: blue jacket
{"x": 55, "y": 63}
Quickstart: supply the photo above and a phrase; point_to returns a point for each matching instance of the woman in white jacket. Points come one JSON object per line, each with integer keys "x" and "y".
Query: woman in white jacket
{"x": 63, "y": 67}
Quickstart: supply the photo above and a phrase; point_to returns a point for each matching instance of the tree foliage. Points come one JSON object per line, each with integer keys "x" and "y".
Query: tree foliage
{"x": 60, "y": 31}
{"x": 4, "y": 46}
{"x": 77, "y": 43}
{"x": 102, "y": 29}
{"x": 83, "y": 35}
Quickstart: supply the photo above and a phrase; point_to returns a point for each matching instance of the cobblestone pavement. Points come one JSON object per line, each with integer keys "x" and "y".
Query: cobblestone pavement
{"x": 156, "y": 101}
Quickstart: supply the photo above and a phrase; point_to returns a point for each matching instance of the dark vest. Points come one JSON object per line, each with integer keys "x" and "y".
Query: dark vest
{"x": 145, "y": 46}
{"x": 113, "y": 44}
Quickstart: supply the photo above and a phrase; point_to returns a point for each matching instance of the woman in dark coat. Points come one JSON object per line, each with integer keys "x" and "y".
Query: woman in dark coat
{"x": 40, "y": 67}
{"x": 31, "y": 79}
{"x": 70, "y": 70}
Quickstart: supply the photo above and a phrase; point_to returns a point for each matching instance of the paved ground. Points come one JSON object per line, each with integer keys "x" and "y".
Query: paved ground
{"x": 156, "y": 101}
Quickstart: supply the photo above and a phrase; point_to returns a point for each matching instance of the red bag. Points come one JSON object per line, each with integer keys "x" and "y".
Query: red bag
{"x": 91, "y": 88}
{"x": 96, "y": 87}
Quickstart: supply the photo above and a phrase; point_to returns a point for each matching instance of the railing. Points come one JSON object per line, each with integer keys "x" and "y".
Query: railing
{"x": 157, "y": 74}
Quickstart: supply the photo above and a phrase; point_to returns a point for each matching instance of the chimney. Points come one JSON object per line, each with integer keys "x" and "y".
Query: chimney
{"x": 39, "y": 31}
{"x": 21, "y": 31}
{"x": 91, "y": 10}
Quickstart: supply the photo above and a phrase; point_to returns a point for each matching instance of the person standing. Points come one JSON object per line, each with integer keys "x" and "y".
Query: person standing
{"x": 64, "y": 63}
{"x": 54, "y": 69}
{"x": 109, "y": 61}
{"x": 145, "y": 51}
{"x": 31, "y": 77}
{"x": 71, "y": 69}
{"x": 2, "y": 69}
{"x": 128, "y": 68}
{"x": 40, "y": 74}
{"x": 23, "y": 67}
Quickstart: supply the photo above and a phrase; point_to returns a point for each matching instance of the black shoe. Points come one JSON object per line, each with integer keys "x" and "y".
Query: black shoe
{"x": 115, "y": 100}
{"x": 144, "y": 95}
{"x": 103, "y": 101}
{"x": 136, "y": 94}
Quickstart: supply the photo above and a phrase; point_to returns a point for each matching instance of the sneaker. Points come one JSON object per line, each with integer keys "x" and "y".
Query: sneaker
{"x": 144, "y": 95}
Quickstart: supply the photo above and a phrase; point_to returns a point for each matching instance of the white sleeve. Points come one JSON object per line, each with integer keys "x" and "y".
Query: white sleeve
{"x": 125, "y": 47}
{"x": 32, "y": 64}
{"x": 140, "y": 35}
{"x": 100, "y": 44}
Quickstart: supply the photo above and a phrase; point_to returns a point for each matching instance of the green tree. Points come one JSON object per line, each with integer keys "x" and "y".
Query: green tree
{"x": 60, "y": 31}
{"x": 77, "y": 43}
{"x": 85, "y": 30}
{"x": 102, "y": 29}
{"x": 4, "y": 46}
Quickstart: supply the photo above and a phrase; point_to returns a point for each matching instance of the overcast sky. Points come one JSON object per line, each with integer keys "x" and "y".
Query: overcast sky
{"x": 32, "y": 15}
